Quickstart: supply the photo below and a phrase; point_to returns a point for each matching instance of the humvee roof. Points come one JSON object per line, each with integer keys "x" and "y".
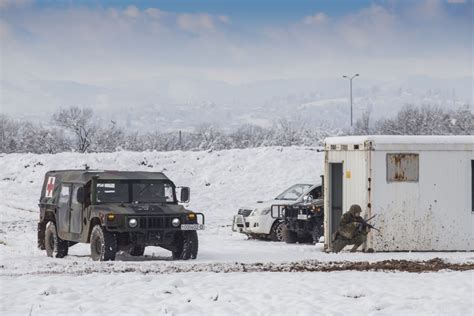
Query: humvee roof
{"x": 84, "y": 176}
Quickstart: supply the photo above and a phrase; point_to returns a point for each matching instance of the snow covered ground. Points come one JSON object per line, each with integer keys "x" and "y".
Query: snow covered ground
{"x": 220, "y": 182}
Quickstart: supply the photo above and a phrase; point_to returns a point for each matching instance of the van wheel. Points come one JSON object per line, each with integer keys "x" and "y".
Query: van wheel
{"x": 276, "y": 233}
{"x": 55, "y": 246}
{"x": 136, "y": 251}
{"x": 103, "y": 244}
{"x": 186, "y": 245}
{"x": 289, "y": 236}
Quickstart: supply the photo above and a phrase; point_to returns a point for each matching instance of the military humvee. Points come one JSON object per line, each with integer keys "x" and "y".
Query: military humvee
{"x": 115, "y": 210}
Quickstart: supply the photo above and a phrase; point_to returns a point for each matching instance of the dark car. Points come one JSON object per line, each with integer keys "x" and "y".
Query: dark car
{"x": 115, "y": 210}
{"x": 303, "y": 221}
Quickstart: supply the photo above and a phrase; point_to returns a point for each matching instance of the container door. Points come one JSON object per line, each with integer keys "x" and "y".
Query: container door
{"x": 75, "y": 224}
{"x": 335, "y": 196}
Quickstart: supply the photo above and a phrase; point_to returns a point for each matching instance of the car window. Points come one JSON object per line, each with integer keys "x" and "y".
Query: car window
{"x": 293, "y": 192}
{"x": 316, "y": 192}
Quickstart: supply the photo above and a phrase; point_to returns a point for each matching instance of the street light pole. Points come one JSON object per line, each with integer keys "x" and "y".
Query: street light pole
{"x": 350, "y": 87}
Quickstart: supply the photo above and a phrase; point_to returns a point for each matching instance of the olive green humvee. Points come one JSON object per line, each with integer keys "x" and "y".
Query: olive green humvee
{"x": 115, "y": 210}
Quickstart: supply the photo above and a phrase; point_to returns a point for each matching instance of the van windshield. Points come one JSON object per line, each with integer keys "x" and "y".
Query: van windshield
{"x": 135, "y": 192}
{"x": 294, "y": 192}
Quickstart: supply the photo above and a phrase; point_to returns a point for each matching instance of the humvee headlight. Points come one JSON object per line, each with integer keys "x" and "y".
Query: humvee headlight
{"x": 175, "y": 222}
{"x": 111, "y": 217}
{"x": 191, "y": 216}
{"x": 132, "y": 222}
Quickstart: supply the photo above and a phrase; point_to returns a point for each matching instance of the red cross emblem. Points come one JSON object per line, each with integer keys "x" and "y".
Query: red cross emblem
{"x": 50, "y": 187}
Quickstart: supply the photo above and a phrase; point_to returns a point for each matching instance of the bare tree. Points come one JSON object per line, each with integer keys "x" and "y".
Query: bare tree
{"x": 80, "y": 122}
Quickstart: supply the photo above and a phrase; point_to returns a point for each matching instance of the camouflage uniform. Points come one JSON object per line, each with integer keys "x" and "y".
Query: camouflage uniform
{"x": 351, "y": 231}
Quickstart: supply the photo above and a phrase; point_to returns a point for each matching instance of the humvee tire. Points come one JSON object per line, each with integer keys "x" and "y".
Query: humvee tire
{"x": 276, "y": 233}
{"x": 136, "y": 251}
{"x": 186, "y": 245}
{"x": 289, "y": 236}
{"x": 103, "y": 244}
{"x": 55, "y": 246}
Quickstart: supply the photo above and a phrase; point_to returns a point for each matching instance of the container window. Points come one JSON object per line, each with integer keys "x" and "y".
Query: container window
{"x": 402, "y": 167}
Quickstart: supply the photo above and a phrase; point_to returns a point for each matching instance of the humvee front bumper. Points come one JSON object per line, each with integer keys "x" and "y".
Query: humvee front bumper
{"x": 145, "y": 223}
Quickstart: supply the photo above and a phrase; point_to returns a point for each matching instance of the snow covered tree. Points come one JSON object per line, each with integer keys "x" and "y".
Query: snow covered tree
{"x": 108, "y": 138}
{"x": 462, "y": 121}
{"x": 362, "y": 125}
{"x": 8, "y": 134}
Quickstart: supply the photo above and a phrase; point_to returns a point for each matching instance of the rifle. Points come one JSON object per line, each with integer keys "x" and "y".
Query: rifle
{"x": 365, "y": 223}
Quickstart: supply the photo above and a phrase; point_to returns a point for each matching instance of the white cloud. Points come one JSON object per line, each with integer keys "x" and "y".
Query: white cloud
{"x": 196, "y": 23}
{"x": 317, "y": 18}
{"x": 155, "y": 12}
{"x": 132, "y": 11}
{"x": 6, "y": 4}
{"x": 4, "y": 29}
{"x": 224, "y": 19}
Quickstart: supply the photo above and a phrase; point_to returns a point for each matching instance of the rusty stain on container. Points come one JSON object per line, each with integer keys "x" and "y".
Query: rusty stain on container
{"x": 402, "y": 167}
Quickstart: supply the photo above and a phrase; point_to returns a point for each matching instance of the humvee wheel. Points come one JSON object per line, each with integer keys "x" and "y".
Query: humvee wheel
{"x": 103, "y": 244}
{"x": 276, "y": 233}
{"x": 136, "y": 251}
{"x": 289, "y": 236}
{"x": 186, "y": 245}
{"x": 55, "y": 246}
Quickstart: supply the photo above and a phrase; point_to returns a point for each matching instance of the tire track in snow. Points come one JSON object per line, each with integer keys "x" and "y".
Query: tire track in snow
{"x": 433, "y": 265}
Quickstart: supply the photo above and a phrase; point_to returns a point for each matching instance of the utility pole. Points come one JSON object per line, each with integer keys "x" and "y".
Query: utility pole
{"x": 350, "y": 87}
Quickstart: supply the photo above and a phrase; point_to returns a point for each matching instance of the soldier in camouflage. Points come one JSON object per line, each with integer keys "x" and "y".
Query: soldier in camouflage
{"x": 352, "y": 230}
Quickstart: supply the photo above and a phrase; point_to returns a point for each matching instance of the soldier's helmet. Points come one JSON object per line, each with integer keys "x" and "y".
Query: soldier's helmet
{"x": 355, "y": 209}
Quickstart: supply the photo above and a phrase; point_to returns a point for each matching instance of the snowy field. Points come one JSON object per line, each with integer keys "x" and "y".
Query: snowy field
{"x": 221, "y": 182}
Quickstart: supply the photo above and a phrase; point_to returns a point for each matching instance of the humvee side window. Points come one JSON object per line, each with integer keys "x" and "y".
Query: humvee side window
{"x": 74, "y": 195}
{"x": 64, "y": 195}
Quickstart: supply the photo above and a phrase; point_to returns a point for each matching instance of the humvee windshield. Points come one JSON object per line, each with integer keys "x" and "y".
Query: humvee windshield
{"x": 135, "y": 192}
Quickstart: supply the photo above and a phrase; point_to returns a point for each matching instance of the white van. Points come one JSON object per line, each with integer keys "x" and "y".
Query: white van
{"x": 256, "y": 220}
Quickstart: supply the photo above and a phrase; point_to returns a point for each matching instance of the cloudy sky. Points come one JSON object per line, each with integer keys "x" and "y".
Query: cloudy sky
{"x": 89, "y": 44}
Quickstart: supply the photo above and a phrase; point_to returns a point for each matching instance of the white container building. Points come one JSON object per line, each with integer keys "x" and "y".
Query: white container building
{"x": 420, "y": 188}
